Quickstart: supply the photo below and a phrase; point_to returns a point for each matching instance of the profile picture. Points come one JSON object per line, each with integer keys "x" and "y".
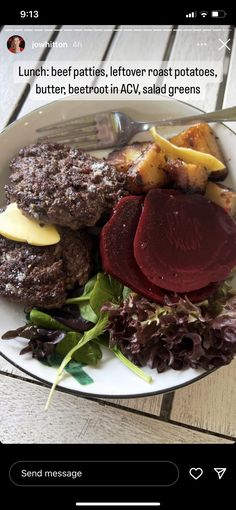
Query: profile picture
{"x": 16, "y": 44}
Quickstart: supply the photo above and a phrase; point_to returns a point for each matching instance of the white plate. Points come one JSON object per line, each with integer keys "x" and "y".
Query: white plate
{"x": 111, "y": 378}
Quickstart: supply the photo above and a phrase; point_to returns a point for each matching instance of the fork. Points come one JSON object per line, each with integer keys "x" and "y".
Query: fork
{"x": 112, "y": 129}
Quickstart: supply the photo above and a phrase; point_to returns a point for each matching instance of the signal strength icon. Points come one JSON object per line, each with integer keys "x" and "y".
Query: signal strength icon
{"x": 204, "y": 14}
{"x": 192, "y": 14}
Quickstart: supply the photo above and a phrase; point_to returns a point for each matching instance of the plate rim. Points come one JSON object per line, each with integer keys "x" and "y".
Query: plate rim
{"x": 99, "y": 395}
{"x": 95, "y": 395}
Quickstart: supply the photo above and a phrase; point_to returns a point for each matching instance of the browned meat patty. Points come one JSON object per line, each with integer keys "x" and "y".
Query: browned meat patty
{"x": 58, "y": 184}
{"x": 40, "y": 276}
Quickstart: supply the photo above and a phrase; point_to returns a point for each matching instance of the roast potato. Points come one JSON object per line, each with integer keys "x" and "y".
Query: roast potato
{"x": 124, "y": 157}
{"x": 201, "y": 137}
{"x": 187, "y": 176}
{"x": 222, "y": 196}
{"x": 147, "y": 172}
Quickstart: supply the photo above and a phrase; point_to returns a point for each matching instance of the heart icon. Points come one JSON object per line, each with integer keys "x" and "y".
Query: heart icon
{"x": 196, "y": 472}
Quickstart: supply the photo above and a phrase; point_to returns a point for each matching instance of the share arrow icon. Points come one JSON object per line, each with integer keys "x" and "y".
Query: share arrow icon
{"x": 220, "y": 472}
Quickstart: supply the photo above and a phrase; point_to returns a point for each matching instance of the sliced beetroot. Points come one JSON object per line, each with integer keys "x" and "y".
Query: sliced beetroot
{"x": 184, "y": 242}
{"x": 199, "y": 295}
{"x": 116, "y": 247}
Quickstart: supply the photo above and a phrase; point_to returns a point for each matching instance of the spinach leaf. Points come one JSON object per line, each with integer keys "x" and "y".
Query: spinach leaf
{"x": 116, "y": 287}
{"x": 87, "y": 312}
{"x": 90, "y": 354}
{"x": 96, "y": 331}
{"x": 89, "y": 285}
{"x": 44, "y": 320}
{"x": 92, "y": 334}
{"x": 78, "y": 373}
{"x": 98, "y": 290}
{"x": 88, "y": 288}
{"x": 73, "y": 368}
{"x": 106, "y": 289}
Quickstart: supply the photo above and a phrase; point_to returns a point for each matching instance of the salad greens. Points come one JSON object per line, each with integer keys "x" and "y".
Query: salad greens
{"x": 75, "y": 369}
{"x": 103, "y": 340}
{"x": 106, "y": 290}
{"x": 44, "y": 320}
{"x": 93, "y": 333}
{"x": 89, "y": 354}
{"x": 138, "y": 332}
{"x": 176, "y": 334}
{"x": 99, "y": 290}
{"x": 70, "y": 338}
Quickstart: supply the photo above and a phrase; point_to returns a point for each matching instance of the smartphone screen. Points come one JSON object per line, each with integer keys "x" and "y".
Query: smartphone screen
{"x": 117, "y": 256}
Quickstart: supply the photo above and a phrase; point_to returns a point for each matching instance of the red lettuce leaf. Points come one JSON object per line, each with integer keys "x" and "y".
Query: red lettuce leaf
{"x": 177, "y": 335}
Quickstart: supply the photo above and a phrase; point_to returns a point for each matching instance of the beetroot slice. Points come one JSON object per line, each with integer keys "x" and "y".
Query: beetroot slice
{"x": 184, "y": 242}
{"x": 199, "y": 295}
{"x": 116, "y": 247}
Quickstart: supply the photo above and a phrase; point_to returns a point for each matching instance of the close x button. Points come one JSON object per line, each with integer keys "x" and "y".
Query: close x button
{"x": 94, "y": 473}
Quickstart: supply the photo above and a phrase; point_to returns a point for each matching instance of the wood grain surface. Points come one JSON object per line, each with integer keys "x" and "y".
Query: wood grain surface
{"x": 210, "y": 403}
{"x": 77, "y": 420}
{"x": 201, "y": 45}
{"x": 11, "y": 92}
{"x": 134, "y": 43}
{"x": 86, "y": 51}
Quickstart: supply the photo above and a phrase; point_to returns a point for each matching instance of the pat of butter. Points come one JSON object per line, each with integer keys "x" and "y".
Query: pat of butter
{"x": 17, "y": 227}
{"x": 188, "y": 155}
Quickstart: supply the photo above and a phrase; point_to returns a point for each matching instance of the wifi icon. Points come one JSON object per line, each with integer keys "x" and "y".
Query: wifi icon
{"x": 204, "y": 14}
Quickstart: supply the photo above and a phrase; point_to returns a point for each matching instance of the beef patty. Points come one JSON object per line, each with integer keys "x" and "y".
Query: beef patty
{"x": 54, "y": 183}
{"x": 40, "y": 276}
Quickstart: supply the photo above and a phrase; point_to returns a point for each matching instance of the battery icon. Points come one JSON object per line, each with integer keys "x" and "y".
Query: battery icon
{"x": 218, "y": 14}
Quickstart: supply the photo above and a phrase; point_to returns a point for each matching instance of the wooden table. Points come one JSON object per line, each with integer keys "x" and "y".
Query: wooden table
{"x": 204, "y": 412}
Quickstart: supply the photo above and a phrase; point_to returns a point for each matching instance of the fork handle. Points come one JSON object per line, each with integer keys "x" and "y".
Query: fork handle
{"x": 228, "y": 114}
